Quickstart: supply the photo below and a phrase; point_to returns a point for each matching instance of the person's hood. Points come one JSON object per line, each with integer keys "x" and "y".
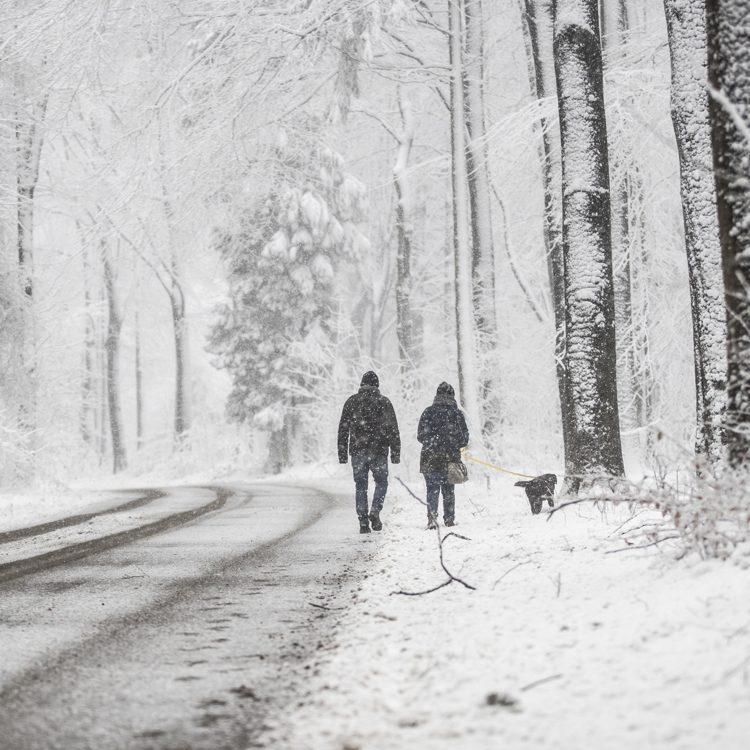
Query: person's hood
{"x": 371, "y": 379}
{"x": 445, "y": 395}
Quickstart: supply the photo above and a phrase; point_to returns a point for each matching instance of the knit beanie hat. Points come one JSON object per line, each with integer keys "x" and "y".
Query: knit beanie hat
{"x": 445, "y": 389}
{"x": 370, "y": 378}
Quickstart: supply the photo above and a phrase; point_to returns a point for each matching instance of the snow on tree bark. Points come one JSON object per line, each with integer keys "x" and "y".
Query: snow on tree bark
{"x": 476, "y": 153}
{"x": 467, "y": 369}
{"x": 29, "y": 141}
{"x": 29, "y": 132}
{"x": 614, "y": 28}
{"x": 404, "y": 327}
{"x": 729, "y": 111}
{"x": 112, "y": 347}
{"x": 686, "y": 25}
{"x": 174, "y": 288}
{"x": 138, "y": 383}
{"x": 590, "y": 354}
{"x": 483, "y": 265}
{"x": 539, "y": 25}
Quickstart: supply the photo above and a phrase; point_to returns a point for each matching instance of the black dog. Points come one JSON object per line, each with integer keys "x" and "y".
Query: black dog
{"x": 538, "y": 490}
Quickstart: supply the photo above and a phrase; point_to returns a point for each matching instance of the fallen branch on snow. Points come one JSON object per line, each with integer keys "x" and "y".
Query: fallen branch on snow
{"x": 440, "y": 541}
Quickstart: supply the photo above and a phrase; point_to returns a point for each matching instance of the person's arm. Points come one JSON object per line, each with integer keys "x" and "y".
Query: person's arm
{"x": 423, "y": 428}
{"x": 463, "y": 429}
{"x": 344, "y": 433}
{"x": 394, "y": 436}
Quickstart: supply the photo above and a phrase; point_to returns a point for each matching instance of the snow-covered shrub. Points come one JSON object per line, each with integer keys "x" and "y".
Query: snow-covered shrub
{"x": 712, "y": 515}
{"x": 708, "y": 513}
{"x": 16, "y": 458}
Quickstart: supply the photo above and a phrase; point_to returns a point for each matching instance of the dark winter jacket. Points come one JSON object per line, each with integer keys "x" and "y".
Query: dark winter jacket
{"x": 442, "y": 431}
{"x": 368, "y": 425}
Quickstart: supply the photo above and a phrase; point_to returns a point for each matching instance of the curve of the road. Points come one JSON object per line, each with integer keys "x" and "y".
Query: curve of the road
{"x": 193, "y": 635}
{"x": 78, "y": 550}
{"x": 145, "y": 497}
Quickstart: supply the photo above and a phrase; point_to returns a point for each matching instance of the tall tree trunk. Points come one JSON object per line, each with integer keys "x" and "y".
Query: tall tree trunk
{"x": 539, "y": 26}
{"x": 102, "y": 411}
{"x": 88, "y": 406}
{"x": 646, "y": 388}
{"x": 467, "y": 371}
{"x": 614, "y": 26}
{"x": 112, "y": 347}
{"x": 476, "y": 156}
{"x": 177, "y": 302}
{"x": 29, "y": 140}
{"x": 590, "y": 353}
{"x": 483, "y": 254}
{"x": 404, "y": 327}
{"x": 729, "y": 112}
{"x": 686, "y": 27}
{"x": 138, "y": 387}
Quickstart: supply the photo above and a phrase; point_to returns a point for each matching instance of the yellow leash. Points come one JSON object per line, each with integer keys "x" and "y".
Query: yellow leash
{"x": 476, "y": 460}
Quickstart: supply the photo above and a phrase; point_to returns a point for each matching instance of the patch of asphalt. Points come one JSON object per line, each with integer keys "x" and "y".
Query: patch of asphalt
{"x": 148, "y": 496}
{"x": 233, "y": 713}
{"x": 9, "y": 571}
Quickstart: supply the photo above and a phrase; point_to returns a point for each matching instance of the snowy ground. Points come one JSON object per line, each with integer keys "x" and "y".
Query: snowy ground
{"x": 565, "y": 642}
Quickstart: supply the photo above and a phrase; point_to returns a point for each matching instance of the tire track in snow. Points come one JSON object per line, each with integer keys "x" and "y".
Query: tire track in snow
{"x": 148, "y": 496}
{"x": 18, "y": 568}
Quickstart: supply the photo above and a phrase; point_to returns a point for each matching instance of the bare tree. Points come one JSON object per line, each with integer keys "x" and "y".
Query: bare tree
{"x": 465, "y": 340}
{"x": 729, "y": 111}
{"x": 404, "y": 322}
{"x": 483, "y": 262}
{"x": 538, "y": 16}
{"x": 112, "y": 348}
{"x": 476, "y": 154}
{"x": 590, "y": 354}
{"x": 686, "y": 25}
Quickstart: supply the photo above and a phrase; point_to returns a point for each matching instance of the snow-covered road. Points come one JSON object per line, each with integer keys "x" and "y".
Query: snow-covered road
{"x": 181, "y": 639}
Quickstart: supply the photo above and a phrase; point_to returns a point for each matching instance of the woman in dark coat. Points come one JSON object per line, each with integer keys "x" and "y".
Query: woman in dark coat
{"x": 442, "y": 432}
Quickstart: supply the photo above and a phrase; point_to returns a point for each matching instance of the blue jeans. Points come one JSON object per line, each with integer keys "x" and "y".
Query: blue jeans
{"x": 362, "y": 465}
{"x": 437, "y": 481}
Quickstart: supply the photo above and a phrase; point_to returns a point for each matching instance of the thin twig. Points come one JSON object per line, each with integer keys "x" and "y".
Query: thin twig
{"x": 321, "y": 606}
{"x": 420, "y": 593}
{"x": 518, "y": 565}
{"x": 580, "y": 500}
{"x": 453, "y": 533}
{"x": 642, "y": 546}
{"x": 540, "y": 682}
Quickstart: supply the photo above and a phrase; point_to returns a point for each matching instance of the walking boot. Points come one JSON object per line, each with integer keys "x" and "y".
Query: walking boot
{"x": 364, "y": 527}
{"x": 431, "y": 522}
{"x": 450, "y": 522}
{"x": 377, "y": 524}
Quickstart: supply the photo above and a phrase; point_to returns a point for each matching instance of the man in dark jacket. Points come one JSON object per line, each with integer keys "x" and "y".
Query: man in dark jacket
{"x": 442, "y": 431}
{"x": 367, "y": 430}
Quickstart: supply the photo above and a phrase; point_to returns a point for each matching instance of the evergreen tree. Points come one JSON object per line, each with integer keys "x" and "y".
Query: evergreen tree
{"x": 281, "y": 259}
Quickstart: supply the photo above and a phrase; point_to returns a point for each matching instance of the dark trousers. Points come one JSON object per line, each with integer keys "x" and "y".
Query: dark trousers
{"x": 436, "y": 482}
{"x": 362, "y": 465}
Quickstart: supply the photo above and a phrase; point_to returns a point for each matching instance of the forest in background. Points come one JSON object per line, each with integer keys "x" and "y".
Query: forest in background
{"x": 215, "y": 216}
